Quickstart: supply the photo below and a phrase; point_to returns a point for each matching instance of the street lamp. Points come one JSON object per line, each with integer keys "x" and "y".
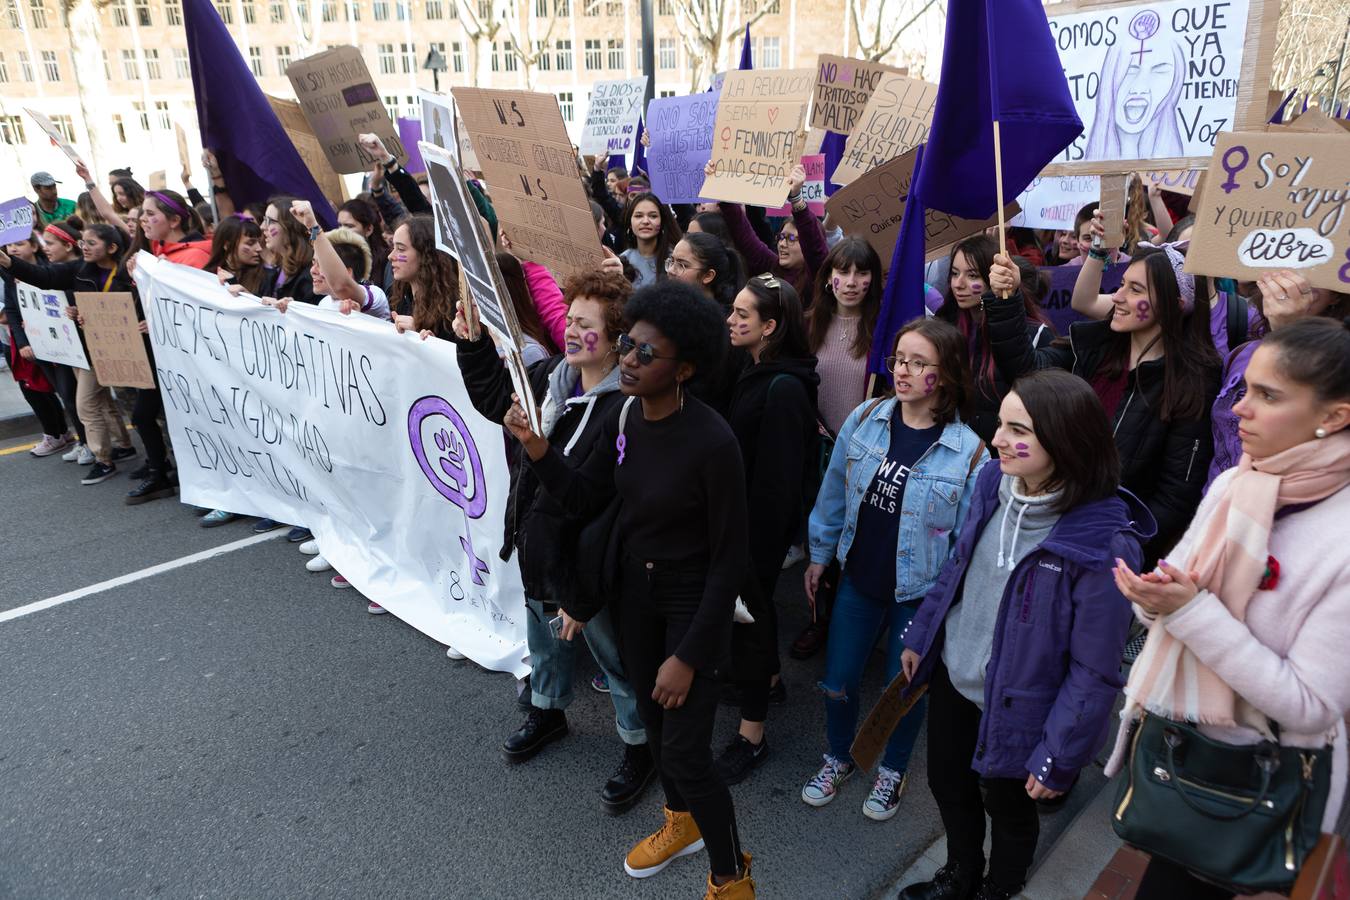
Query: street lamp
{"x": 435, "y": 64}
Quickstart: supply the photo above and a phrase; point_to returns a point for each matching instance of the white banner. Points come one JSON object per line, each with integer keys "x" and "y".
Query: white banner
{"x": 363, "y": 435}
{"x": 51, "y": 333}
{"x": 1053, "y": 201}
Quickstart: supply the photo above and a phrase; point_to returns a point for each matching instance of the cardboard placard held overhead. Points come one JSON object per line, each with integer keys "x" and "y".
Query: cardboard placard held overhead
{"x": 297, "y": 128}
{"x": 526, "y": 157}
{"x": 895, "y": 121}
{"x": 1178, "y": 181}
{"x": 55, "y": 134}
{"x": 16, "y": 220}
{"x": 813, "y": 189}
{"x": 843, "y": 87}
{"x": 1273, "y": 201}
{"x": 758, "y": 135}
{"x": 680, "y": 130}
{"x": 612, "y": 118}
{"x": 872, "y": 206}
{"x": 116, "y": 346}
{"x": 181, "y": 135}
{"x": 53, "y": 335}
{"x": 1155, "y": 83}
{"x": 1114, "y": 188}
{"x": 340, "y": 101}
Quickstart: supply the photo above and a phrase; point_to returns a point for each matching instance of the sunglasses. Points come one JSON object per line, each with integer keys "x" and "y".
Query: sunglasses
{"x": 645, "y": 352}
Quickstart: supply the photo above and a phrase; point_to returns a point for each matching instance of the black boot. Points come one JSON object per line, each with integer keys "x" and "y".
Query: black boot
{"x": 541, "y": 727}
{"x": 991, "y": 891}
{"x": 952, "y": 882}
{"x": 155, "y": 486}
{"x": 632, "y": 777}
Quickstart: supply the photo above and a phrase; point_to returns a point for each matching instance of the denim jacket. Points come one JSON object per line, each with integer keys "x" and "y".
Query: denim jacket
{"x": 936, "y": 498}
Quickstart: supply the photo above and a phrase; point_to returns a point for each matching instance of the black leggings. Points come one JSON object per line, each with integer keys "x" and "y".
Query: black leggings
{"x": 659, "y": 601}
{"x": 63, "y": 379}
{"x": 48, "y": 410}
{"x": 145, "y": 416}
{"x": 754, "y": 649}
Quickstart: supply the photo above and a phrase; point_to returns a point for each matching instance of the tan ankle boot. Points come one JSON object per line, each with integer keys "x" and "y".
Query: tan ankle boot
{"x": 679, "y": 836}
{"x": 742, "y": 888}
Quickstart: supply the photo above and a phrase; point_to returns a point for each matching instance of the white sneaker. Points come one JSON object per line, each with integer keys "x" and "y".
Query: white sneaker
{"x": 823, "y": 787}
{"x": 318, "y": 564}
{"x": 795, "y": 555}
{"x": 49, "y": 445}
{"x": 73, "y": 453}
{"x": 454, "y": 654}
{"x": 310, "y": 547}
{"x": 85, "y": 457}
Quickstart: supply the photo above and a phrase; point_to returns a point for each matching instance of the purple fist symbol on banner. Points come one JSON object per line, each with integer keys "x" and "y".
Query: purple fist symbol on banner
{"x": 445, "y": 450}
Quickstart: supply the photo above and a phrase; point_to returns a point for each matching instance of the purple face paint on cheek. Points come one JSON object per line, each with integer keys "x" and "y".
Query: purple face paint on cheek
{"x": 1142, "y": 310}
{"x": 835, "y": 282}
{"x": 590, "y": 339}
{"x": 1022, "y": 451}
{"x": 929, "y": 382}
{"x": 742, "y": 329}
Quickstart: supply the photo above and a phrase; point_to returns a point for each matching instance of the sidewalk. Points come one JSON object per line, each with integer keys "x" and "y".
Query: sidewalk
{"x": 16, "y": 417}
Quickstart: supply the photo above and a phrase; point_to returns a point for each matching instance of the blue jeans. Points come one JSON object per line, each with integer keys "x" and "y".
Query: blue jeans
{"x": 854, "y": 626}
{"x": 553, "y": 663}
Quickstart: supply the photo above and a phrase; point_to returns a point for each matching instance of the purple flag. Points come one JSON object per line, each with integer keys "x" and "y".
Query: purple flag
{"x": 1016, "y": 79}
{"x": 639, "y": 153}
{"x": 746, "y": 63}
{"x": 1279, "y": 113}
{"x": 902, "y": 299}
{"x": 410, "y": 132}
{"x": 833, "y": 149}
{"x": 256, "y": 157}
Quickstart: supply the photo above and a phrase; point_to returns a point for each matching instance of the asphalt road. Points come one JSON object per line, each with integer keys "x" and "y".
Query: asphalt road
{"x": 236, "y": 728}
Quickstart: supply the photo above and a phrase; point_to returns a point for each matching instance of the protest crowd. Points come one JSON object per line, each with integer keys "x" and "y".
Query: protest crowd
{"x": 1034, "y": 510}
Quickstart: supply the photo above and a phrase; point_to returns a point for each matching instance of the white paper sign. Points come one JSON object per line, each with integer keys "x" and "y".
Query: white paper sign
{"x": 1053, "y": 201}
{"x": 611, "y": 120}
{"x": 361, "y": 434}
{"x": 53, "y": 336}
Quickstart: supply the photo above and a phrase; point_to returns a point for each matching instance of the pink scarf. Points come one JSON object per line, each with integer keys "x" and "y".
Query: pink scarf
{"x": 1230, "y": 557}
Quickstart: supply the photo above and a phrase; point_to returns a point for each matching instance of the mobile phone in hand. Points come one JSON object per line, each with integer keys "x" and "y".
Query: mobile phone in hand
{"x": 555, "y": 625}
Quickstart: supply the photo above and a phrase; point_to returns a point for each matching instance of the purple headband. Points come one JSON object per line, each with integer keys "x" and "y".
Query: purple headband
{"x": 1185, "y": 282}
{"x": 169, "y": 202}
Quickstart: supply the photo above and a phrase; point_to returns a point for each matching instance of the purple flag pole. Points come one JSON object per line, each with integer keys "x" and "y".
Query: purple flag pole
{"x": 998, "y": 142}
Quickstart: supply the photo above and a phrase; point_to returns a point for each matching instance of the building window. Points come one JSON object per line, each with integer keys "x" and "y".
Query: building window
{"x": 328, "y": 11}
{"x": 665, "y": 7}
{"x": 4, "y": 68}
{"x": 385, "y": 53}
{"x": 592, "y": 48}
{"x": 173, "y": 12}
{"x": 614, "y": 8}
{"x": 143, "y": 13}
{"x": 25, "y": 66}
{"x": 250, "y": 13}
{"x": 107, "y": 66}
{"x": 119, "y": 11}
{"x": 162, "y": 114}
{"x": 590, "y": 7}
{"x": 495, "y": 60}
{"x": 37, "y": 12}
{"x": 541, "y": 53}
{"x": 131, "y": 70}
{"x": 562, "y": 55}
{"x": 49, "y": 67}
{"x": 401, "y": 10}
{"x": 152, "y": 63}
{"x": 666, "y": 54}
{"x": 226, "y": 12}
{"x": 770, "y": 53}
{"x": 381, "y": 10}
{"x": 484, "y": 10}
{"x": 456, "y": 56}
{"x": 12, "y": 7}
{"x": 616, "y": 53}
{"x": 182, "y": 67}
{"x": 409, "y": 54}
{"x": 11, "y": 129}
{"x": 664, "y": 94}
{"x": 276, "y": 12}
{"x": 66, "y": 126}
{"x": 255, "y": 61}
{"x": 566, "y": 104}
{"x": 510, "y": 62}
{"x": 283, "y": 58}
{"x": 540, "y": 9}
{"x": 353, "y": 11}
{"x": 139, "y": 108}
{"x": 435, "y": 10}
{"x": 562, "y": 8}
{"x": 302, "y": 13}
{"x": 121, "y": 127}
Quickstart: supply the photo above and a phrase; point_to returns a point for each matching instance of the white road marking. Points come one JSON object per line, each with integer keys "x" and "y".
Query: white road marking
{"x": 132, "y": 577}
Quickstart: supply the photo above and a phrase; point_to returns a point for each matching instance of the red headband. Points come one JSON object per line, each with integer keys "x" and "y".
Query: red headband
{"x": 58, "y": 233}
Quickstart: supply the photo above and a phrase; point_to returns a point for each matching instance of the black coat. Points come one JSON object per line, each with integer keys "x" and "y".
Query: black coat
{"x": 75, "y": 276}
{"x": 1162, "y": 463}
{"x": 536, "y": 525}
{"x": 990, "y": 389}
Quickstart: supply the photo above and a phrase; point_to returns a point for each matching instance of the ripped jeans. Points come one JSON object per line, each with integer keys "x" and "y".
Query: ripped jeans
{"x": 854, "y": 626}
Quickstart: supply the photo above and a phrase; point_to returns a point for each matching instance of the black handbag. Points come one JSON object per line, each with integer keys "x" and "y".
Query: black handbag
{"x": 596, "y": 559}
{"x": 1241, "y": 817}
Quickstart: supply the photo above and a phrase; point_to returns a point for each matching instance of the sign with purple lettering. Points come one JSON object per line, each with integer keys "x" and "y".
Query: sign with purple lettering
{"x": 52, "y": 334}
{"x": 16, "y": 220}
{"x": 1062, "y": 279}
{"x": 339, "y": 100}
{"x": 680, "y": 130}
{"x": 1053, "y": 201}
{"x": 1276, "y": 200}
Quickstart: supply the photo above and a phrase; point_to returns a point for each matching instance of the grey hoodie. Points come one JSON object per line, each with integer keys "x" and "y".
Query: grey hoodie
{"x": 562, "y": 381}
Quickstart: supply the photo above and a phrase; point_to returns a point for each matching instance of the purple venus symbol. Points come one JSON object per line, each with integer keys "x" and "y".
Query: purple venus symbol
{"x": 621, "y": 444}
{"x": 1234, "y": 161}
{"x": 457, "y": 470}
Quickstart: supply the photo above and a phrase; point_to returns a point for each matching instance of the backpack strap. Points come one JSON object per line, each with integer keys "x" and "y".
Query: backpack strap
{"x": 975, "y": 459}
{"x": 1237, "y": 319}
{"x": 623, "y": 414}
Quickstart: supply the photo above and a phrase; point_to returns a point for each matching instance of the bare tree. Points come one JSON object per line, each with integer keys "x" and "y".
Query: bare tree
{"x": 877, "y": 29}
{"x": 478, "y": 28}
{"x": 91, "y": 81}
{"x": 526, "y": 48}
{"x": 704, "y": 28}
{"x": 1308, "y": 48}
{"x": 306, "y": 33}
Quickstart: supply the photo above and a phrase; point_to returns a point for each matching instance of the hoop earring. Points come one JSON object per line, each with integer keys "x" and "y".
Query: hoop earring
{"x": 679, "y": 394}
{"x": 1320, "y": 432}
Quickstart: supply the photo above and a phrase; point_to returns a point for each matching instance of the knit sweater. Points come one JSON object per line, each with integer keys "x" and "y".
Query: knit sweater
{"x": 843, "y": 376}
{"x": 1288, "y": 658}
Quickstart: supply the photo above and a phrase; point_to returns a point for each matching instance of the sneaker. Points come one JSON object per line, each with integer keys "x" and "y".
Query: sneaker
{"x": 73, "y": 453}
{"x": 99, "y": 472}
{"x": 310, "y": 547}
{"x": 155, "y": 486}
{"x": 299, "y": 534}
{"x": 121, "y": 453}
{"x": 795, "y": 555}
{"x": 740, "y": 888}
{"x": 821, "y": 789}
{"x": 600, "y": 682}
{"x": 141, "y": 473}
{"x": 338, "y": 581}
{"x": 679, "y": 836}
{"x": 262, "y": 526}
{"x": 84, "y": 456}
{"x": 49, "y": 445}
{"x": 541, "y": 728}
{"x": 626, "y": 785}
{"x": 884, "y": 800}
{"x": 318, "y": 564}
{"x": 217, "y": 517}
{"x": 454, "y": 654}
{"x": 375, "y": 609}
{"x": 741, "y": 758}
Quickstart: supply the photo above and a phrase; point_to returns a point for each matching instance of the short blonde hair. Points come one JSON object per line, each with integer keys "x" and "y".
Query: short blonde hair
{"x": 339, "y": 237}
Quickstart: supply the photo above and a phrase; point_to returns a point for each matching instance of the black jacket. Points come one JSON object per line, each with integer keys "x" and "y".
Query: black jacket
{"x": 536, "y": 525}
{"x": 75, "y": 276}
{"x": 989, "y": 391}
{"x": 298, "y": 287}
{"x": 1162, "y": 463}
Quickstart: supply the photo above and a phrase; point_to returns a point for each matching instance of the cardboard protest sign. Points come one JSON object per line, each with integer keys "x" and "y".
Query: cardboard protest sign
{"x": 183, "y": 159}
{"x": 340, "y": 101}
{"x": 1178, "y": 181}
{"x": 1115, "y": 193}
{"x": 896, "y": 120}
{"x": 1057, "y": 302}
{"x": 680, "y": 130}
{"x": 611, "y": 120}
{"x": 1161, "y": 80}
{"x": 157, "y": 180}
{"x": 53, "y": 336}
{"x": 758, "y": 135}
{"x": 1053, "y": 201}
{"x": 813, "y": 189}
{"x": 16, "y": 220}
{"x": 116, "y": 346}
{"x": 876, "y": 729}
{"x": 872, "y": 206}
{"x": 58, "y": 139}
{"x": 843, "y": 87}
{"x": 525, "y": 155}
{"x": 1275, "y": 200}
{"x": 293, "y": 121}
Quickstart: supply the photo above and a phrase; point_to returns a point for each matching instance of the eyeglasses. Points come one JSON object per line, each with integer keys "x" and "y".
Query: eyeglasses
{"x": 645, "y": 352}
{"x": 268, "y": 221}
{"x": 674, "y": 265}
{"x": 912, "y": 366}
{"x": 790, "y": 238}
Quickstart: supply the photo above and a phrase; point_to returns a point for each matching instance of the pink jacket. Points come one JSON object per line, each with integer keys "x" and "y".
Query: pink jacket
{"x": 1289, "y": 658}
{"x": 548, "y": 300}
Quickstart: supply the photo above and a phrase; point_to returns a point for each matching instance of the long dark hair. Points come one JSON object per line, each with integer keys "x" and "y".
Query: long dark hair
{"x": 113, "y": 237}
{"x": 299, "y": 252}
{"x": 367, "y": 215}
{"x": 850, "y": 253}
{"x": 1071, "y": 424}
{"x": 132, "y": 188}
{"x": 225, "y": 247}
{"x": 777, "y": 300}
{"x": 953, "y": 368}
{"x": 712, "y": 254}
{"x": 432, "y": 304}
{"x": 666, "y": 238}
{"x": 527, "y": 316}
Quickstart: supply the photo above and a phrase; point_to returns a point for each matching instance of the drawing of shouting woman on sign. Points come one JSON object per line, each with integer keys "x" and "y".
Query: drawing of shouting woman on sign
{"x": 1141, "y": 78}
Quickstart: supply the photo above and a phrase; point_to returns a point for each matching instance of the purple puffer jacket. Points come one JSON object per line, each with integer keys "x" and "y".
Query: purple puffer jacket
{"x": 1054, "y": 670}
